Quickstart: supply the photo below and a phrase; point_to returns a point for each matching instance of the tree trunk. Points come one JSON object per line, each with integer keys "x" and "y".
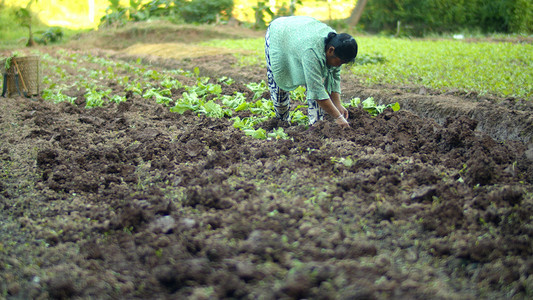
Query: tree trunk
{"x": 31, "y": 42}
{"x": 357, "y": 12}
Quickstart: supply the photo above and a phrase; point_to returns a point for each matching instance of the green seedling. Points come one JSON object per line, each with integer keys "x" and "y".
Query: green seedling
{"x": 257, "y": 89}
{"x": 160, "y": 96}
{"x": 371, "y": 106}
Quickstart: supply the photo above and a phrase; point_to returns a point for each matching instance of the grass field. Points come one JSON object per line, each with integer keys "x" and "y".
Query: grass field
{"x": 499, "y": 68}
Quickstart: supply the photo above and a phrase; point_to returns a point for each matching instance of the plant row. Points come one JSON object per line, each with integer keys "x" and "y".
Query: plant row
{"x": 93, "y": 76}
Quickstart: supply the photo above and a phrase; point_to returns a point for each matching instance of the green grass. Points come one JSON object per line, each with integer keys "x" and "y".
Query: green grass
{"x": 254, "y": 49}
{"x": 502, "y": 69}
{"x": 10, "y": 30}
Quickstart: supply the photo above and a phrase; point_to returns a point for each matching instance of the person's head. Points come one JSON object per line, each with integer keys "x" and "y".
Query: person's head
{"x": 340, "y": 49}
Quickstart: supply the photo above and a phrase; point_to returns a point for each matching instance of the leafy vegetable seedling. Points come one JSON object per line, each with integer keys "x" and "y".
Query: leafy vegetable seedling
{"x": 371, "y": 107}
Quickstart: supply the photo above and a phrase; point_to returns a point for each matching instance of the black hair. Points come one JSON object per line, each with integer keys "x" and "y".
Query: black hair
{"x": 345, "y": 45}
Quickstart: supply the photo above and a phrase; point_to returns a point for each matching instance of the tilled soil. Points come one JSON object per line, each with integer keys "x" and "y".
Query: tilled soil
{"x": 133, "y": 201}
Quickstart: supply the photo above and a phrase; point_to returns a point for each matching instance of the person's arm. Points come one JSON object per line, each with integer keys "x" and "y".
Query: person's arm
{"x": 336, "y": 99}
{"x": 329, "y": 107}
{"x": 316, "y": 89}
{"x": 333, "y": 87}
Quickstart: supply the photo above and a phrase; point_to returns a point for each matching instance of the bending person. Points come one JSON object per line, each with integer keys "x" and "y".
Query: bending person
{"x": 304, "y": 51}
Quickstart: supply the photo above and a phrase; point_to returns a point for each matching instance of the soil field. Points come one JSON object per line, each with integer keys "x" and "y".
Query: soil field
{"x": 132, "y": 201}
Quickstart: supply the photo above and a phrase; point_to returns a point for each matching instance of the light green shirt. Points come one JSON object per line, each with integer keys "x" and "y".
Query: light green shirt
{"x": 298, "y": 56}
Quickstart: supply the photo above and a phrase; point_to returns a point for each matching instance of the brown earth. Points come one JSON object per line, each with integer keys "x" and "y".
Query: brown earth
{"x": 132, "y": 201}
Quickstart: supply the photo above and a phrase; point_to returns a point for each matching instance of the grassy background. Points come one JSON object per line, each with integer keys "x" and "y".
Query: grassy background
{"x": 500, "y": 68}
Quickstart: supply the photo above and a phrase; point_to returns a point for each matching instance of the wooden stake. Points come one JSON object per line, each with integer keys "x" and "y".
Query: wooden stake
{"x": 20, "y": 76}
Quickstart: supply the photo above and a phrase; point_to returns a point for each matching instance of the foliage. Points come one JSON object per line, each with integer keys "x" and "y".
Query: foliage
{"x": 289, "y": 10}
{"x": 256, "y": 133}
{"x": 51, "y": 35}
{"x": 189, "y": 101}
{"x": 226, "y": 80}
{"x": 157, "y": 8}
{"x": 206, "y": 11}
{"x": 115, "y": 14}
{"x": 8, "y": 60}
{"x": 117, "y": 99}
{"x": 204, "y": 87}
{"x": 298, "y": 117}
{"x": 420, "y": 17}
{"x": 160, "y": 96}
{"x": 278, "y": 134}
{"x": 262, "y": 107}
{"x": 205, "y": 97}
{"x": 171, "y": 83}
{"x": 371, "y": 106}
{"x": 503, "y": 69}
{"x": 25, "y": 18}
{"x": 57, "y": 96}
{"x": 95, "y": 98}
{"x": 263, "y": 12}
{"x": 236, "y": 102}
{"x": 8, "y": 16}
{"x": 257, "y": 88}
{"x": 135, "y": 13}
{"x": 299, "y": 94}
{"x": 195, "y": 11}
{"x": 212, "y": 109}
{"x": 376, "y": 58}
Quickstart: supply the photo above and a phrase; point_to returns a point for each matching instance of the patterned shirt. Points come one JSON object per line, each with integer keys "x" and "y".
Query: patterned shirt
{"x": 298, "y": 56}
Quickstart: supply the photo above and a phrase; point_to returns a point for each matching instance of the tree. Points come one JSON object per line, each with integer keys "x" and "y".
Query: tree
{"x": 260, "y": 10}
{"x": 357, "y": 12}
{"x": 24, "y": 16}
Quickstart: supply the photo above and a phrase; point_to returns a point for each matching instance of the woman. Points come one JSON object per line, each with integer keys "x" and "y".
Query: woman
{"x": 304, "y": 51}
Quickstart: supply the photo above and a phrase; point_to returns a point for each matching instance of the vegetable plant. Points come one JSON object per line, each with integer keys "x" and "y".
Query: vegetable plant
{"x": 203, "y": 87}
{"x": 257, "y": 89}
{"x": 204, "y": 97}
{"x": 95, "y": 98}
{"x": 263, "y": 107}
{"x": 298, "y": 94}
{"x": 298, "y": 117}
{"x": 236, "y": 102}
{"x": 226, "y": 80}
{"x": 160, "y": 96}
{"x": 8, "y": 60}
{"x": 278, "y": 134}
{"x": 371, "y": 106}
{"x": 169, "y": 83}
{"x": 211, "y": 109}
{"x": 189, "y": 101}
{"x": 57, "y": 96}
{"x": 117, "y": 99}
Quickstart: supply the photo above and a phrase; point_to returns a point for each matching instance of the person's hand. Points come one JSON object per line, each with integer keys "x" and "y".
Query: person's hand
{"x": 343, "y": 111}
{"x": 341, "y": 121}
